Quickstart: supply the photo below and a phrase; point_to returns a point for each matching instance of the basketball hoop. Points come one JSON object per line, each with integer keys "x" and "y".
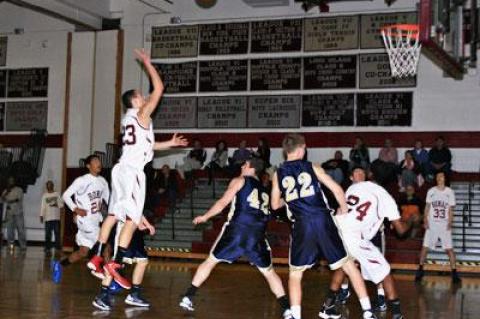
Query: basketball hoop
{"x": 403, "y": 48}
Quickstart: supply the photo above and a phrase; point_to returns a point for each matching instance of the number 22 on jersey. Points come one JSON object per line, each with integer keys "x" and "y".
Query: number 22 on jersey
{"x": 306, "y": 187}
{"x": 361, "y": 209}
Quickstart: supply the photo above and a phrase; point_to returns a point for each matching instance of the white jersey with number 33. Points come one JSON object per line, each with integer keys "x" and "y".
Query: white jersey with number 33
{"x": 137, "y": 141}
{"x": 440, "y": 201}
{"x": 368, "y": 205}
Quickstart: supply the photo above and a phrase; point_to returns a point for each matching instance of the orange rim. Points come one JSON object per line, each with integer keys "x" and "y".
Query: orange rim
{"x": 402, "y": 30}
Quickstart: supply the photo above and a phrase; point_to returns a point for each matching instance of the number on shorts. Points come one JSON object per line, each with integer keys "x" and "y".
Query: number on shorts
{"x": 306, "y": 187}
{"x": 128, "y": 135}
{"x": 254, "y": 201}
{"x": 361, "y": 209}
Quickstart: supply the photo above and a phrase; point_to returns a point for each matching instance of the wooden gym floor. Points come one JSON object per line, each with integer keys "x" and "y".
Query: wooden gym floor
{"x": 233, "y": 291}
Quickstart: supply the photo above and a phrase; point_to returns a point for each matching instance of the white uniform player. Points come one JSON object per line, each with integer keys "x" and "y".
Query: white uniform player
{"x": 128, "y": 178}
{"x": 439, "y": 202}
{"x": 369, "y": 204}
{"x": 88, "y": 193}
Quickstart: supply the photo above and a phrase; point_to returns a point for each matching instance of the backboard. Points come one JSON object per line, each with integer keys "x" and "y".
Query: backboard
{"x": 442, "y": 34}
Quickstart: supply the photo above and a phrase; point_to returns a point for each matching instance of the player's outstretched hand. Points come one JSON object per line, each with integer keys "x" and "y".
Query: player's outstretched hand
{"x": 142, "y": 56}
{"x": 179, "y": 140}
{"x": 199, "y": 220}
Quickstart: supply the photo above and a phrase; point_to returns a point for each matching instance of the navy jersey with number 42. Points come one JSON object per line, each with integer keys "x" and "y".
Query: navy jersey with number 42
{"x": 301, "y": 190}
{"x": 250, "y": 206}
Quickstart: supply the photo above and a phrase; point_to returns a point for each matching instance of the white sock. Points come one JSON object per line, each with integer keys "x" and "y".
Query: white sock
{"x": 380, "y": 291}
{"x": 365, "y": 303}
{"x": 344, "y": 286}
{"x": 296, "y": 311}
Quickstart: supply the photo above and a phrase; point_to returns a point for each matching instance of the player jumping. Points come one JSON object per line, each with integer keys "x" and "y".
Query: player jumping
{"x": 128, "y": 178}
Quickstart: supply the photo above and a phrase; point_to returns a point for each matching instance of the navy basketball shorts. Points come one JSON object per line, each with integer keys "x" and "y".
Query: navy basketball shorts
{"x": 237, "y": 240}
{"x": 136, "y": 250}
{"x": 314, "y": 238}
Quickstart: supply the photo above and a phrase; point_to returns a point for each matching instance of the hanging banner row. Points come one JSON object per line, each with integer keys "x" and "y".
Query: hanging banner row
{"x": 321, "y": 72}
{"x": 288, "y": 35}
{"x": 24, "y": 83}
{"x": 23, "y": 115}
{"x": 285, "y": 111}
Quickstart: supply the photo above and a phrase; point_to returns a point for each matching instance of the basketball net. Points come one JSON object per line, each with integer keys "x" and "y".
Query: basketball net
{"x": 403, "y": 48}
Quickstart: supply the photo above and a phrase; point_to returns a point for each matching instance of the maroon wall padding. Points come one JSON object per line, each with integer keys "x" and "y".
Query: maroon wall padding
{"x": 51, "y": 141}
{"x": 337, "y": 139}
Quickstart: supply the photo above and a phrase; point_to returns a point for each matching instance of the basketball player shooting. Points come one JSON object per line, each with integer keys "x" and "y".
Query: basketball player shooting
{"x": 128, "y": 178}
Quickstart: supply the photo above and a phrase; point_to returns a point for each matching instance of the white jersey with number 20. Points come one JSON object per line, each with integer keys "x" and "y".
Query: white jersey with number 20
{"x": 368, "y": 205}
{"x": 137, "y": 141}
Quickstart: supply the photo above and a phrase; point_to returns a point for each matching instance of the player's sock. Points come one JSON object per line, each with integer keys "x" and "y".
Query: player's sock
{"x": 98, "y": 249}
{"x": 380, "y": 292}
{"x": 365, "y": 303}
{"x": 331, "y": 297}
{"x": 284, "y": 303}
{"x": 104, "y": 290}
{"x": 344, "y": 286}
{"x": 191, "y": 291}
{"x": 395, "y": 306}
{"x": 296, "y": 312}
{"x": 135, "y": 289}
{"x": 65, "y": 262}
{"x": 120, "y": 254}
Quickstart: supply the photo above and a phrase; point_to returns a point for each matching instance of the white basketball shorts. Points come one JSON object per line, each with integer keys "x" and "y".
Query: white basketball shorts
{"x": 438, "y": 232}
{"x": 373, "y": 264}
{"x": 128, "y": 193}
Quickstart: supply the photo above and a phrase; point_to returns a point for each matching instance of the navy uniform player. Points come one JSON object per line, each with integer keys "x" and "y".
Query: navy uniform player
{"x": 242, "y": 235}
{"x": 298, "y": 185}
{"x": 135, "y": 254}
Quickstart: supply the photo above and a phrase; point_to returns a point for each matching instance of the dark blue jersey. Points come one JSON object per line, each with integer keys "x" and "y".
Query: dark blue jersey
{"x": 250, "y": 207}
{"x": 301, "y": 190}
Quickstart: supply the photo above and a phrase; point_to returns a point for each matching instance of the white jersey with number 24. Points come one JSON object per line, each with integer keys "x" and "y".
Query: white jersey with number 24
{"x": 368, "y": 205}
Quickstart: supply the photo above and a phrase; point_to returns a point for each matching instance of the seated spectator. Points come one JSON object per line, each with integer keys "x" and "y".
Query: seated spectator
{"x": 420, "y": 154}
{"x": 263, "y": 152}
{"x": 219, "y": 159}
{"x": 337, "y": 167}
{"x": 359, "y": 155}
{"x": 439, "y": 158}
{"x": 239, "y": 157}
{"x": 410, "y": 172}
{"x": 165, "y": 187}
{"x": 194, "y": 160}
{"x": 411, "y": 208}
{"x": 388, "y": 153}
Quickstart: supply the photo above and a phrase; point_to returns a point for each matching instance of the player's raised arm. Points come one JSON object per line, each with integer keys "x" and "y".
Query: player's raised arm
{"x": 235, "y": 185}
{"x": 152, "y": 101}
{"x": 176, "y": 140}
{"x": 276, "y": 200}
{"x": 337, "y": 191}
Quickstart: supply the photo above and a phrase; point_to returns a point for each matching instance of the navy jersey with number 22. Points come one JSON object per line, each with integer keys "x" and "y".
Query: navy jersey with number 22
{"x": 314, "y": 234}
{"x": 301, "y": 190}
